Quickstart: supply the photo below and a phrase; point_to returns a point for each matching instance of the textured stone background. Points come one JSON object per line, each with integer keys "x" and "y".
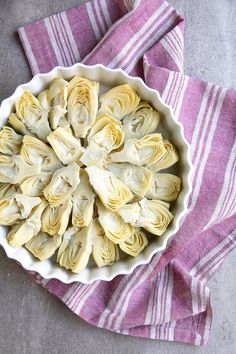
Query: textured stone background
{"x": 31, "y": 320}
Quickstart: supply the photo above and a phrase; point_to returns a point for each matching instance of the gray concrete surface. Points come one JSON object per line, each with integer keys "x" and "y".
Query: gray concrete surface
{"x": 31, "y": 320}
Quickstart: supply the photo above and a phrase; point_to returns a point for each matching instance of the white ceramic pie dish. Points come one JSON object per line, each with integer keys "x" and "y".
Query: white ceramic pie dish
{"x": 169, "y": 127}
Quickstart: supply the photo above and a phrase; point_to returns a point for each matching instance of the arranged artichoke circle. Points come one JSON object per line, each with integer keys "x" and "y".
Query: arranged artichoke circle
{"x": 81, "y": 174}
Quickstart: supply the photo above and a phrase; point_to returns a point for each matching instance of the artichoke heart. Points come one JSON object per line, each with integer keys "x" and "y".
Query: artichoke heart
{"x": 82, "y": 104}
{"x": 58, "y": 92}
{"x": 141, "y": 152}
{"x": 135, "y": 244}
{"x": 137, "y": 178}
{"x": 169, "y": 158}
{"x": 103, "y": 142}
{"x": 76, "y": 248}
{"x": 142, "y": 121}
{"x": 57, "y": 118}
{"x": 100, "y": 123}
{"x": 16, "y": 207}
{"x": 55, "y": 220}
{"x": 153, "y": 215}
{"x": 67, "y": 148}
{"x": 7, "y": 189}
{"x": 63, "y": 183}
{"x": 164, "y": 186}
{"x": 34, "y": 186}
{"x": 14, "y": 169}
{"x": 33, "y": 115}
{"x": 114, "y": 226}
{"x": 43, "y": 246}
{"x": 18, "y": 125}
{"x": 10, "y": 142}
{"x": 36, "y": 152}
{"x": 44, "y": 101}
{"x": 112, "y": 192}
{"x": 104, "y": 251}
{"x": 25, "y": 230}
{"x": 119, "y": 101}
{"x": 83, "y": 202}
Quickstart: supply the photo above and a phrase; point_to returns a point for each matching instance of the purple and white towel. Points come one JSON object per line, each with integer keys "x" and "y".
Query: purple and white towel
{"x": 168, "y": 298}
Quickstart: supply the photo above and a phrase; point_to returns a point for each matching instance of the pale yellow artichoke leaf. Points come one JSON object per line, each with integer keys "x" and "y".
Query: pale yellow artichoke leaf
{"x": 76, "y": 248}
{"x": 119, "y": 101}
{"x": 36, "y": 152}
{"x": 83, "y": 202}
{"x": 82, "y": 104}
{"x": 63, "y": 183}
{"x": 114, "y": 226}
{"x": 43, "y": 246}
{"x": 102, "y": 143}
{"x": 112, "y": 192}
{"x": 10, "y": 141}
{"x": 14, "y": 169}
{"x": 137, "y": 178}
{"x": 44, "y": 101}
{"x": 169, "y": 158}
{"x": 25, "y": 230}
{"x": 33, "y": 115}
{"x": 58, "y": 92}
{"x": 104, "y": 251}
{"x": 135, "y": 244}
{"x": 142, "y": 121}
{"x": 16, "y": 207}
{"x": 18, "y": 125}
{"x": 34, "y": 186}
{"x": 152, "y": 215}
{"x": 57, "y": 118}
{"x": 67, "y": 148}
{"x": 164, "y": 186}
{"x": 55, "y": 220}
{"x": 141, "y": 152}
{"x": 100, "y": 123}
{"x": 7, "y": 190}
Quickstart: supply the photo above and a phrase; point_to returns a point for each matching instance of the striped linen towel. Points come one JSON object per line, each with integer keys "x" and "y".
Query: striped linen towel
{"x": 169, "y": 298}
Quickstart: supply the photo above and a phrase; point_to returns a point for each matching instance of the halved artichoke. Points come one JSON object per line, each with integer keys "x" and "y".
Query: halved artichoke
{"x": 137, "y": 178}
{"x": 112, "y": 192}
{"x": 104, "y": 251}
{"x": 76, "y": 248}
{"x": 135, "y": 244}
{"x": 142, "y": 121}
{"x": 33, "y": 115}
{"x": 63, "y": 183}
{"x": 114, "y": 226}
{"x": 7, "y": 189}
{"x": 67, "y": 148}
{"x": 18, "y": 125}
{"x": 25, "y": 230}
{"x": 44, "y": 101}
{"x": 101, "y": 143}
{"x": 16, "y": 207}
{"x": 152, "y": 215}
{"x": 82, "y": 104}
{"x": 119, "y": 101}
{"x": 10, "y": 142}
{"x": 141, "y": 152}
{"x": 55, "y": 220}
{"x": 36, "y": 152}
{"x": 14, "y": 169}
{"x": 169, "y": 158}
{"x": 83, "y": 202}
{"x": 43, "y": 246}
{"x": 58, "y": 92}
{"x": 34, "y": 186}
{"x": 164, "y": 186}
{"x": 57, "y": 118}
{"x": 101, "y": 123}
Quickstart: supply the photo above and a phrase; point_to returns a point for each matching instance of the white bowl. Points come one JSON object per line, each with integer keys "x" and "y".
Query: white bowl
{"x": 169, "y": 127}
